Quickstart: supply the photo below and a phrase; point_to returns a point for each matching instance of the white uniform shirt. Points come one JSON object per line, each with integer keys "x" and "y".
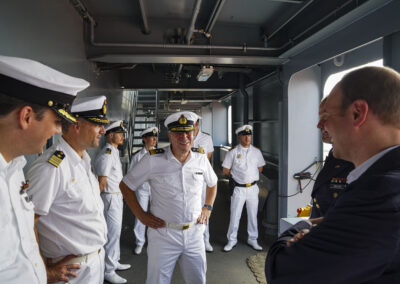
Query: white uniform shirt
{"x": 20, "y": 260}
{"x": 145, "y": 187}
{"x": 244, "y": 163}
{"x": 204, "y": 140}
{"x": 176, "y": 188}
{"x": 68, "y": 199}
{"x": 108, "y": 164}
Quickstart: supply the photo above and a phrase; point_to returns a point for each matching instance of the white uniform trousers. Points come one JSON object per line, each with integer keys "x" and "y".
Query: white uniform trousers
{"x": 241, "y": 195}
{"x": 91, "y": 271}
{"x": 167, "y": 246}
{"x": 206, "y": 234}
{"x": 113, "y": 207}
{"x": 139, "y": 229}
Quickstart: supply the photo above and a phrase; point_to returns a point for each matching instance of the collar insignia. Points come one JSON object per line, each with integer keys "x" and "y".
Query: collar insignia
{"x": 198, "y": 150}
{"x": 156, "y": 151}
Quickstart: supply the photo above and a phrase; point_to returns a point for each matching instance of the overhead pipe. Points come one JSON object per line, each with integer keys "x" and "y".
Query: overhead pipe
{"x": 290, "y": 19}
{"x": 85, "y": 15}
{"x": 214, "y": 16}
{"x": 196, "y": 11}
{"x": 243, "y": 48}
{"x": 189, "y": 34}
{"x": 146, "y": 28}
{"x": 322, "y": 19}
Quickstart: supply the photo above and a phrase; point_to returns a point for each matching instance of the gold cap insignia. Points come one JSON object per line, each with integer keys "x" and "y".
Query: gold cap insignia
{"x": 154, "y": 131}
{"x": 50, "y": 103}
{"x": 182, "y": 119}
{"x": 105, "y": 107}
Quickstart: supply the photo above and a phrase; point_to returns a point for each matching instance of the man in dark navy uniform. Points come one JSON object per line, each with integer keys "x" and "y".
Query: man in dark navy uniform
{"x": 331, "y": 180}
{"x": 358, "y": 239}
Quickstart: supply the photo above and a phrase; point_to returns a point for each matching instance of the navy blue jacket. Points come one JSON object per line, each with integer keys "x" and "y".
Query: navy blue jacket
{"x": 329, "y": 184}
{"x": 357, "y": 242}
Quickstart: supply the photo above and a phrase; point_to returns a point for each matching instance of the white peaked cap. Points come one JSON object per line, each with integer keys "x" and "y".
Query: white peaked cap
{"x": 117, "y": 126}
{"x": 247, "y": 128}
{"x": 175, "y": 117}
{"x": 148, "y": 130}
{"x": 40, "y": 75}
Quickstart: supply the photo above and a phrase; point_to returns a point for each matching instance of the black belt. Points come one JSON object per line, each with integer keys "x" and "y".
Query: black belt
{"x": 244, "y": 184}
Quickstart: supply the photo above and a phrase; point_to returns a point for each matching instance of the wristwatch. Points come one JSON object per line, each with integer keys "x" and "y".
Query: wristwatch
{"x": 209, "y": 207}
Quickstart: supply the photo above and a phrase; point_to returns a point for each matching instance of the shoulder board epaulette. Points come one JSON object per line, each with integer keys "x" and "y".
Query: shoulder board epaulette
{"x": 198, "y": 150}
{"x": 56, "y": 158}
{"x": 156, "y": 151}
{"x": 136, "y": 152}
{"x": 108, "y": 151}
{"x": 207, "y": 133}
{"x": 232, "y": 148}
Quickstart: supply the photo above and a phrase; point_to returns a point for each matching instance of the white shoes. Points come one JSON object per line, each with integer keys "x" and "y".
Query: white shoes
{"x": 138, "y": 249}
{"x": 114, "y": 278}
{"x": 123, "y": 266}
{"x": 208, "y": 246}
{"x": 229, "y": 246}
{"x": 254, "y": 244}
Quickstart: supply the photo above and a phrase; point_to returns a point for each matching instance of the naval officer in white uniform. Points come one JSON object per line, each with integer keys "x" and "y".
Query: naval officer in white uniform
{"x": 203, "y": 143}
{"x": 149, "y": 138}
{"x": 243, "y": 164}
{"x": 177, "y": 216}
{"x": 108, "y": 168}
{"x": 66, "y": 194}
{"x": 33, "y": 100}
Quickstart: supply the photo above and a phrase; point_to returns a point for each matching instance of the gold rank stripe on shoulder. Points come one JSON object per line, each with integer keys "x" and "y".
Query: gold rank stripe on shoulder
{"x": 198, "y": 150}
{"x": 135, "y": 152}
{"x": 156, "y": 151}
{"x": 108, "y": 151}
{"x": 56, "y": 158}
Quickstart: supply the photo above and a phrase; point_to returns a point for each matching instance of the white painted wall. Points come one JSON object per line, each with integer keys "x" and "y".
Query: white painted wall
{"x": 219, "y": 124}
{"x": 303, "y": 136}
{"x": 206, "y": 121}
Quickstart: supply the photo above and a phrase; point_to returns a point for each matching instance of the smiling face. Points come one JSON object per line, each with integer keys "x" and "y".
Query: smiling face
{"x": 42, "y": 130}
{"x": 181, "y": 141}
{"x": 90, "y": 133}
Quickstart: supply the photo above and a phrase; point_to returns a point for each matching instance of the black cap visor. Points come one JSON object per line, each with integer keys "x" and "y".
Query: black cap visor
{"x": 57, "y": 101}
{"x": 98, "y": 120}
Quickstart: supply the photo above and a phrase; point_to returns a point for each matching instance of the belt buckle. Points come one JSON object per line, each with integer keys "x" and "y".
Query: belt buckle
{"x": 185, "y": 227}
{"x": 248, "y": 184}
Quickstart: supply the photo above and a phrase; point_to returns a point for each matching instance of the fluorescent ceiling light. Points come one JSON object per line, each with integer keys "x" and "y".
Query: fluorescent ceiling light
{"x": 205, "y": 73}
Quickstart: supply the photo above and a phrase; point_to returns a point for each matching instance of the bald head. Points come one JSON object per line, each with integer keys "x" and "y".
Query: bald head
{"x": 379, "y": 87}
